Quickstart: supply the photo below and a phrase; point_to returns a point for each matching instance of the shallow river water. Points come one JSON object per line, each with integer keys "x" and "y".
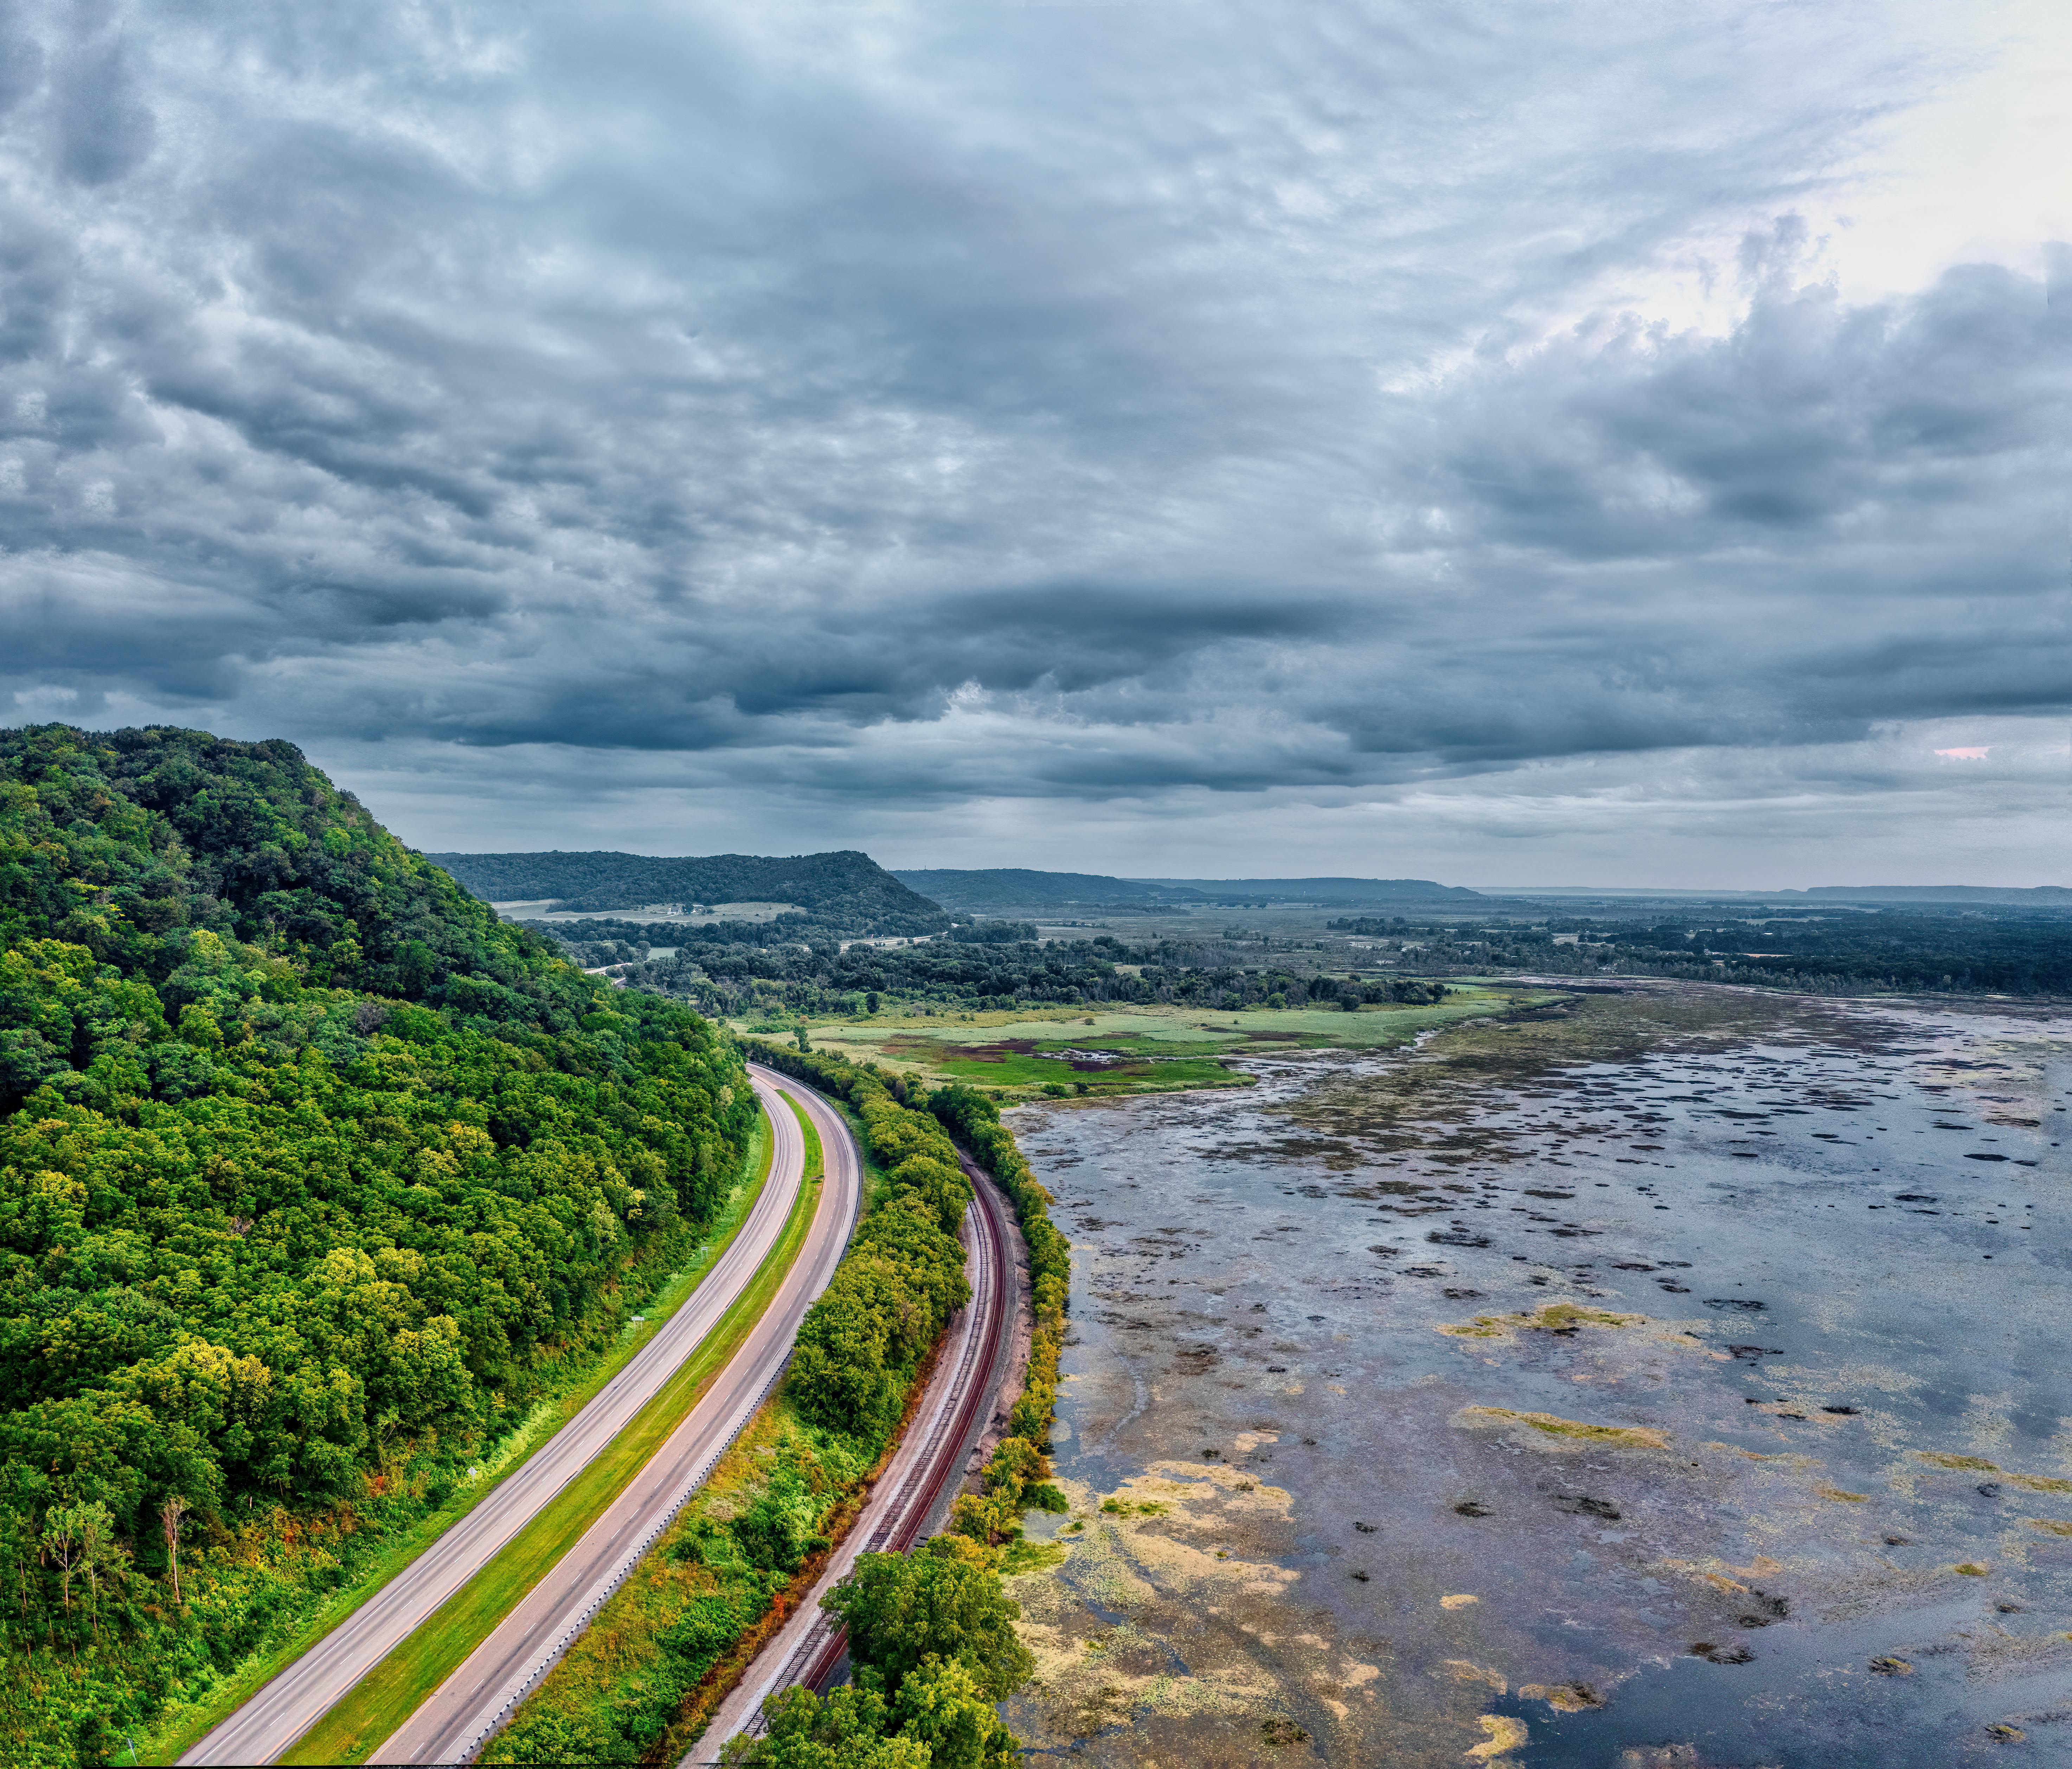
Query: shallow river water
{"x": 1677, "y": 1377}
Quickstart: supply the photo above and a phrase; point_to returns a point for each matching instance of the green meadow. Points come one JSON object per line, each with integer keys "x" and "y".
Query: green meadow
{"x": 1118, "y": 1050}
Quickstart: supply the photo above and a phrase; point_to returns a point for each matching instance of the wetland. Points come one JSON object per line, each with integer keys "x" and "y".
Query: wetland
{"x": 1652, "y": 1374}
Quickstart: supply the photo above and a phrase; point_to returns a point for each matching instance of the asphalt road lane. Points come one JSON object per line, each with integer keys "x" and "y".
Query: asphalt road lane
{"x": 472, "y": 1705}
{"x": 282, "y": 1710}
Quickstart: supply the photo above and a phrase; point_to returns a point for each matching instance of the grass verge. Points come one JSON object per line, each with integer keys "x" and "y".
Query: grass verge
{"x": 393, "y": 1690}
{"x": 187, "y": 1727}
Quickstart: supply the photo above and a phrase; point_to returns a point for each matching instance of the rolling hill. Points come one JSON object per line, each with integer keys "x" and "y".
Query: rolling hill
{"x": 847, "y": 893}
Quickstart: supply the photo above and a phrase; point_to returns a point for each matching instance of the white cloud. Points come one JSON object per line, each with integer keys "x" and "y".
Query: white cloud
{"x": 1095, "y": 433}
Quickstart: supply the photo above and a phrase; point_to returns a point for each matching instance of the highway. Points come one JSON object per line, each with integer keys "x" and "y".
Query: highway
{"x": 473, "y": 1704}
{"x": 285, "y": 1708}
{"x": 912, "y": 1497}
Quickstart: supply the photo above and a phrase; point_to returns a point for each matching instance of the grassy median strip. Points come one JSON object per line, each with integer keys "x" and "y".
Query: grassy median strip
{"x": 187, "y": 1727}
{"x": 391, "y": 1692}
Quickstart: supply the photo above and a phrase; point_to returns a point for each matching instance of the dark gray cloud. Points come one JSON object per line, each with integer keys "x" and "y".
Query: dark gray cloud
{"x": 848, "y": 407}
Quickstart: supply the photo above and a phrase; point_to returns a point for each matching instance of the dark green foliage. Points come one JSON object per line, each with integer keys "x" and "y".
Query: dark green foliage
{"x": 993, "y": 933}
{"x": 902, "y": 1277}
{"x": 610, "y": 933}
{"x": 818, "y": 977}
{"x": 847, "y": 1731}
{"x": 942, "y": 1601}
{"x": 310, "y": 1169}
{"x": 847, "y": 890}
{"x": 132, "y": 843}
{"x": 777, "y": 1532}
{"x": 941, "y": 1718}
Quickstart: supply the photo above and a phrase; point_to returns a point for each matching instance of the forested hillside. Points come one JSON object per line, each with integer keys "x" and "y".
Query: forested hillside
{"x": 311, "y": 1171}
{"x": 848, "y": 893}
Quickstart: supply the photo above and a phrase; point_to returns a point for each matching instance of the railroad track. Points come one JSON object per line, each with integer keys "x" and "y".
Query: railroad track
{"x": 914, "y": 1494}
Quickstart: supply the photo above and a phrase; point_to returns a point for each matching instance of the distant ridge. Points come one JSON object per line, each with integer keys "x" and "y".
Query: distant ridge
{"x": 845, "y": 889}
{"x": 1322, "y": 890}
{"x": 1939, "y": 893}
{"x": 1020, "y": 888}
{"x": 2013, "y": 895}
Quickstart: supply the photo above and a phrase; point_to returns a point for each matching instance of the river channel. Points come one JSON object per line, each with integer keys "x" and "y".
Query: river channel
{"x": 1674, "y": 1376}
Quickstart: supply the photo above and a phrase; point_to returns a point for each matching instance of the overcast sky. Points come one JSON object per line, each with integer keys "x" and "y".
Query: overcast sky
{"x": 1501, "y": 441}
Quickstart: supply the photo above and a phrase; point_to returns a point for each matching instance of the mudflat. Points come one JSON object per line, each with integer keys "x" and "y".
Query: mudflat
{"x": 1670, "y": 1375}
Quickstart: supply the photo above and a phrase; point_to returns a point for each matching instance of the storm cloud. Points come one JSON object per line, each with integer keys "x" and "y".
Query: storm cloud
{"x": 970, "y": 430}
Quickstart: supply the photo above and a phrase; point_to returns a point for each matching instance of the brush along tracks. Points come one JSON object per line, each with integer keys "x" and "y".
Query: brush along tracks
{"x": 913, "y": 1497}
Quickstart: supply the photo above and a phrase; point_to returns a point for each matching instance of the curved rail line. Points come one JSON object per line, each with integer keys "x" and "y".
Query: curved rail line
{"x": 476, "y": 1701}
{"x": 915, "y": 1491}
{"x": 294, "y": 1699}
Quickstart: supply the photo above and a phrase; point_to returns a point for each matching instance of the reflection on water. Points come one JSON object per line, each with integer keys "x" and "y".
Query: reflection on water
{"x": 1679, "y": 1379}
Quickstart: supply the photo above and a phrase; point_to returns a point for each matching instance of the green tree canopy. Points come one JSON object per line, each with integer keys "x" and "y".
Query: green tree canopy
{"x": 944, "y": 1601}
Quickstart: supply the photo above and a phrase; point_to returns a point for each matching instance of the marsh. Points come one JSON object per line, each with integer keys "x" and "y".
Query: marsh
{"x": 1666, "y": 1367}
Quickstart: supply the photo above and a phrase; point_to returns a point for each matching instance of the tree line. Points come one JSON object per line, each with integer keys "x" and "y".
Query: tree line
{"x": 823, "y": 978}
{"x": 2016, "y": 951}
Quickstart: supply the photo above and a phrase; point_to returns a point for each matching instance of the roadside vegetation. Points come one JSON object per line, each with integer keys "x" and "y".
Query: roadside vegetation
{"x": 932, "y": 1636}
{"x": 317, "y": 1183}
{"x": 387, "y": 1696}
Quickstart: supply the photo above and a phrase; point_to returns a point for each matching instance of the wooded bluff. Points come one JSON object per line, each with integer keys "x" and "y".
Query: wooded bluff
{"x": 313, "y": 1174}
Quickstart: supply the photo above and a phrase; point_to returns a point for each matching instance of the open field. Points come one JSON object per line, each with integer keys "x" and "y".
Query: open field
{"x": 1118, "y": 1050}
{"x": 544, "y": 909}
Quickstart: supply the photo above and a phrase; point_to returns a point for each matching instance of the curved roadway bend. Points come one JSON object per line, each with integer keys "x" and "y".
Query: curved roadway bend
{"x": 465, "y": 1711}
{"x": 286, "y": 1707}
{"x": 914, "y": 1493}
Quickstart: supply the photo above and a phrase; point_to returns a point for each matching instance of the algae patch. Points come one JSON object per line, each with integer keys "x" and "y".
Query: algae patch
{"x": 1974, "y": 1464}
{"x": 1635, "y": 1437}
{"x": 1563, "y": 1697}
{"x": 1553, "y": 1317}
{"x": 1505, "y": 1735}
{"x": 1466, "y": 1671}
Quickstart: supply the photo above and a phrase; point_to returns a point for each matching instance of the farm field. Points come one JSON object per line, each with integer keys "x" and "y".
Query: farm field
{"x": 1107, "y": 1052}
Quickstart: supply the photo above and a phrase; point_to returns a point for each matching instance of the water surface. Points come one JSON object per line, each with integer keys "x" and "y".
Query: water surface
{"x": 1679, "y": 1377}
